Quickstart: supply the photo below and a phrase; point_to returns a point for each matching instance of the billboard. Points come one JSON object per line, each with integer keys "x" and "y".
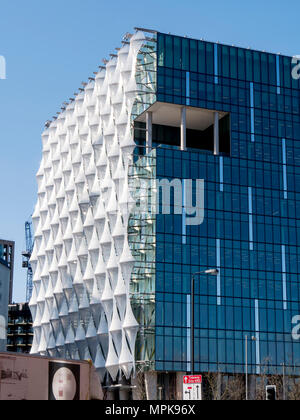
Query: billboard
{"x": 24, "y": 377}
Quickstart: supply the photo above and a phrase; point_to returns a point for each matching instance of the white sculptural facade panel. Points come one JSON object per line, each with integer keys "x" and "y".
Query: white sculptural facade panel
{"x": 81, "y": 260}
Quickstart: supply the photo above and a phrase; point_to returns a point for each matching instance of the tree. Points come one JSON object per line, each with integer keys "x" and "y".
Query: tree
{"x": 263, "y": 380}
{"x": 293, "y": 389}
{"x": 224, "y": 387}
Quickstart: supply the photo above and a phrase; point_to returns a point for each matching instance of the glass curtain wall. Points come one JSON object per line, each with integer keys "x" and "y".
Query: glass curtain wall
{"x": 251, "y": 229}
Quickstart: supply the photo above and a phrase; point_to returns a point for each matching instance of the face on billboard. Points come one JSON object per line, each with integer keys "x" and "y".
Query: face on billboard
{"x": 64, "y": 381}
{"x": 64, "y": 385}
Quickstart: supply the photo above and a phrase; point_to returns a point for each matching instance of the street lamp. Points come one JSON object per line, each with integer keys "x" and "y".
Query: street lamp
{"x": 246, "y": 362}
{"x": 283, "y": 382}
{"x": 210, "y": 272}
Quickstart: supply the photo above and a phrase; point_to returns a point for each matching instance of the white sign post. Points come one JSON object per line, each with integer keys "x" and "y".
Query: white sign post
{"x": 192, "y": 388}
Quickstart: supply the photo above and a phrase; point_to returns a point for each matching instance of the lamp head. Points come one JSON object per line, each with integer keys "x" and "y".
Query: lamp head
{"x": 212, "y": 272}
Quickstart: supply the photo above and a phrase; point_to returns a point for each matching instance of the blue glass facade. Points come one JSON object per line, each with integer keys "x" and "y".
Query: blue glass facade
{"x": 251, "y": 229}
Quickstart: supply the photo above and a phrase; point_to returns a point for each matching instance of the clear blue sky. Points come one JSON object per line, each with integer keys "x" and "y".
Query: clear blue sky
{"x": 52, "y": 46}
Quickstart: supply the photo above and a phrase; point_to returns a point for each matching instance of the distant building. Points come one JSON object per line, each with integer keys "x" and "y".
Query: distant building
{"x": 7, "y": 253}
{"x": 19, "y": 330}
{"x": 4, "y": 293}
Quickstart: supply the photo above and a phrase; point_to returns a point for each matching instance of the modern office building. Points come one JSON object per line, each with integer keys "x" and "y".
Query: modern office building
{"x": 7, "y": 253}
{"x": 19, "y": 328}
{"x": 219, "y": 128}
{"x": 4, "y": 295}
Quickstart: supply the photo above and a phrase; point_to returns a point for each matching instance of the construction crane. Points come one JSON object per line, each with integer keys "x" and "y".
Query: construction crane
{"x": 26, "y": 259}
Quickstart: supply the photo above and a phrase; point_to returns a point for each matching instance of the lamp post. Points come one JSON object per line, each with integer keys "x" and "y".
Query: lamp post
{"x": 283, "y": 382}
{"x": 211, "y": 272}
{"x": 246, "y": 362}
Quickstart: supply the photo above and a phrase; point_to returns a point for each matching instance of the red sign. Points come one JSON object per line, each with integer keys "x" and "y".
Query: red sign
{"x": 195, "y": 379}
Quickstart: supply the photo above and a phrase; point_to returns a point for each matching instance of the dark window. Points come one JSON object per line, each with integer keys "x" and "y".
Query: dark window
{"x": 185, "y": 54}
{"x": 209, "y": 58}
{"x": 177, "y": 53}
{"x": 224, "y": 128}
{"x": 201, "y": 57}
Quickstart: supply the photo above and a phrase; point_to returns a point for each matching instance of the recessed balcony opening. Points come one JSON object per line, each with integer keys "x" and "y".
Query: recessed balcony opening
{"x": 187, "y": 128}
